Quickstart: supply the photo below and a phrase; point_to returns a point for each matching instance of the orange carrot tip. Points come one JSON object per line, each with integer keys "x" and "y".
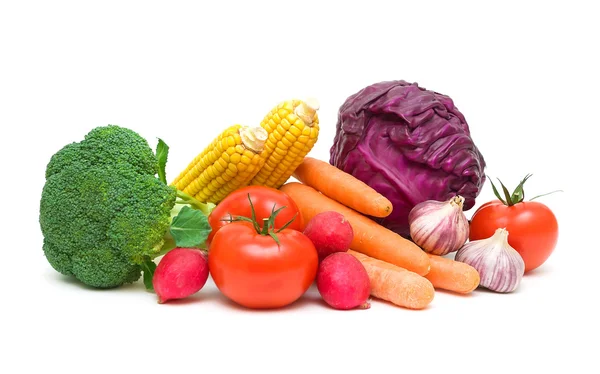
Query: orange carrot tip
{"x": 451, "y": 275}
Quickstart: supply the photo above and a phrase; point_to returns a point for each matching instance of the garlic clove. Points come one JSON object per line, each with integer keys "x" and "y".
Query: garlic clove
{"x": 500, "y": 266}
{"x": 439, "y": 227}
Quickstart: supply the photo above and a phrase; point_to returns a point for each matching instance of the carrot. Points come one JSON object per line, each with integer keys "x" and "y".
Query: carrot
{"x": 342, "y": 187}
{"x": 395, "y": 284}
{"x": 370, "y": 238}
{"x": 452, "y": 275}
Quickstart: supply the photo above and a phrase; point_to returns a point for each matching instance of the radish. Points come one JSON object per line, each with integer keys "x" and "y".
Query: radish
{"x": 180, "y": 273}
{"x": 343, "y": 282}
{"x": 330, "y": 232}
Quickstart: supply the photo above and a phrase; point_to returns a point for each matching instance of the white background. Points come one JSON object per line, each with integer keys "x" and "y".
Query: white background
{"x": 524, "y": 74}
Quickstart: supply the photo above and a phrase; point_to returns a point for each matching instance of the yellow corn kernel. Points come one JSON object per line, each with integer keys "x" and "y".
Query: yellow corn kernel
{"x": 295, "y": 131}
{"x": 286, "y": 143}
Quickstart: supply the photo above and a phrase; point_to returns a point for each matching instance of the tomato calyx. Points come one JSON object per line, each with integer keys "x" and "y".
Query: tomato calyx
{"x": 518, "y": 194}
{"x": 268, "y": 227}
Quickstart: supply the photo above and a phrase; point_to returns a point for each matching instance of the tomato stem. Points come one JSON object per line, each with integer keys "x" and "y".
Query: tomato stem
{"x": 518, "y": 194}
{"x": 268, "y": 224}
{"x": 268, "y": 227}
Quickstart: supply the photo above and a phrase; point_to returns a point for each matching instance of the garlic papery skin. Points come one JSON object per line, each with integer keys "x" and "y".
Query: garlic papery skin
{"x": 500, "y": 266}
{"x": 439, "y": 227}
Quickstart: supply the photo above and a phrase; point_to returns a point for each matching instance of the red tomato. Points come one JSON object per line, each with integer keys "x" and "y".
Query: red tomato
{"x": 263, "y": 199}
{"x": 532, "y": 228}
{"x": 252, "y": 270}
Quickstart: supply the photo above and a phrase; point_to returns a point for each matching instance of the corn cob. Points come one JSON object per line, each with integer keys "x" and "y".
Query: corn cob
{"x": 228, "y": 163}
{"x": 293, "y": 128}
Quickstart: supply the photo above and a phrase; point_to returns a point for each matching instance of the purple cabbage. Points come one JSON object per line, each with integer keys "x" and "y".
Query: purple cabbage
{"x": 410, "y": 144}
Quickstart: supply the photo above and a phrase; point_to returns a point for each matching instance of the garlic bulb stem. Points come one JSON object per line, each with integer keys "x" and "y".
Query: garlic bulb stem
{"x": 458, "y": 200}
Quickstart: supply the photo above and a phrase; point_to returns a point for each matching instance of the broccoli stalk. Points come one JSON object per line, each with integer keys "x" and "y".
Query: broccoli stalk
{"x": 190, "y": 227}
{"x": 184, "y": 198}
{"x": 104, "y": 213}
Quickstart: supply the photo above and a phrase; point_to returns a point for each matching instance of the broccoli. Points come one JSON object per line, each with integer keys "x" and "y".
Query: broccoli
{"x": 103, "y": 211}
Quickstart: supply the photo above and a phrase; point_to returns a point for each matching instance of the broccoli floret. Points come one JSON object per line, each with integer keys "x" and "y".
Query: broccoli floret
{"x": 103, "y": 211}
{"x": 69, "y": 155}
{"x": 107, "y": 145}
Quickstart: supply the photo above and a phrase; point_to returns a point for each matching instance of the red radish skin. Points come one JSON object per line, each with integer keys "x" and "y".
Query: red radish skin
{"x": 343, "y": 282}
{"x": 180, "y": 273}
{"x": 330, "y": 232}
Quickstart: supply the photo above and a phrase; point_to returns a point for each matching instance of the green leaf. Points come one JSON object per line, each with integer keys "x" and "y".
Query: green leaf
{"x": 506, "y": 193}
{"x": 287, "y": 224}
{"x": 519, "y": 195}
{"x": 190, "y": 228}
{"x": 272, "y": 235}
{"x": 545, "y": 194}
{"x": 254, "y": 222}
{"x": 496, "y": 192}
{"x": 162, "y": 153}
{"x": 148, "y": 267}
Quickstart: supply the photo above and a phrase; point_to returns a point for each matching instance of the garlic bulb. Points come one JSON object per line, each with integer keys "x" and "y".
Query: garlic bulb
{"x": 439, "y": 227}
{"x": 499, "y": 265}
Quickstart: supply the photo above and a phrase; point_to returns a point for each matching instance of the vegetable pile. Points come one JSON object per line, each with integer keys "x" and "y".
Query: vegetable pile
{"x": 384, "y": 219}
